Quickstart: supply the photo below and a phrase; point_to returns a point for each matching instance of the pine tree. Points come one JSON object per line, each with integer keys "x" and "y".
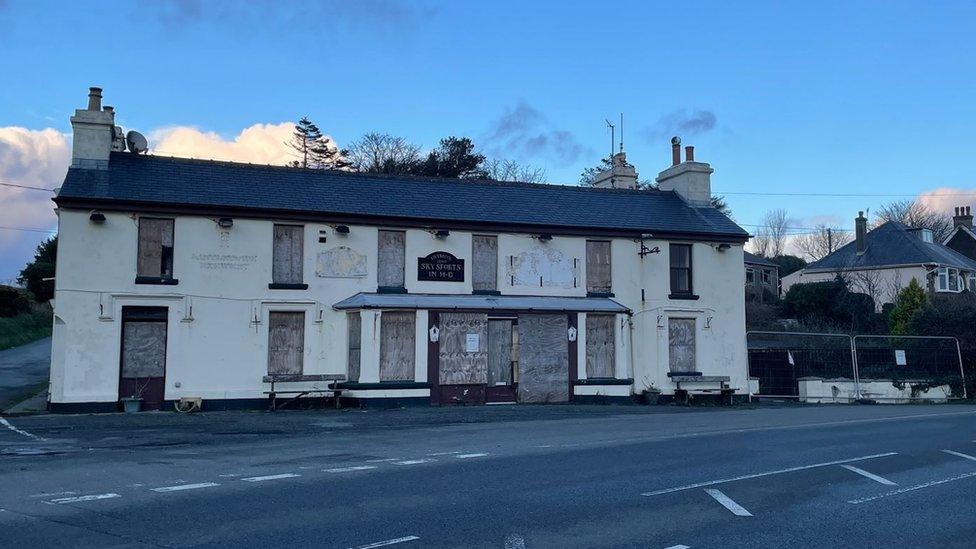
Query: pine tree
{"x": 316, "y": 150}
{"x": 910, "y": 299}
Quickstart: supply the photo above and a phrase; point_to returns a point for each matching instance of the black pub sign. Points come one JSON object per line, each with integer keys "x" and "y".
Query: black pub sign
{"x": 440, "y": 267}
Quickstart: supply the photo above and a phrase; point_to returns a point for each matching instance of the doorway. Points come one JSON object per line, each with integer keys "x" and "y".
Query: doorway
{"x": 142, "y": 368}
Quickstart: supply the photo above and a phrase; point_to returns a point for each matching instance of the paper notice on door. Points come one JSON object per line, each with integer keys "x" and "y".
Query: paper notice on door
{"x": 900, "y": 358}
{"x": 472, "y": 342}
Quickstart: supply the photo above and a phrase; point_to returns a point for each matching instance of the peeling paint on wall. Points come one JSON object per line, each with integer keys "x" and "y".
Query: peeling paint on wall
{"x": 543, "y": 266}
{"x": 340, "y": 262}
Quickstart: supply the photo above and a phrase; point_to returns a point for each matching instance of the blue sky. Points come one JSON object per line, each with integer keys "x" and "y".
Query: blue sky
{"x": 783, "y": 97}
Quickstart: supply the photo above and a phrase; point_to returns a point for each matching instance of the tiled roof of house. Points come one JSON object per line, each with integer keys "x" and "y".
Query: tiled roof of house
{"x": 753, "y": 259}
{"x": 148, "y": 180}
{"x": 892, "y": 244}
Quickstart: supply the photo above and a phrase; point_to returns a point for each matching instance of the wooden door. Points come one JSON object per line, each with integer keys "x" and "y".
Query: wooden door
{"x": 543, "y": 358}
{"x": 502, "y": 360}
{"x": 286, "y": 342}
{"x": 600, "y": 352}
{"x": 398, "y": 331}
{"x": 142, "y": 371}
{"x": 463, "y": 357}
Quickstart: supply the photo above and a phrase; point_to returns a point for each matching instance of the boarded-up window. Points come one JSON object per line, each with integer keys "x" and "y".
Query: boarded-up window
{"x": 543, "y": 358}
{"x": 155, "y": 248}
{"x": 484, "y": 259}
{"x": 600, "y": 352}
{"x": 143, "y": 349}
{"x": 289, "y": 241}
{"x": 391, "y": 259}
{"x": 681, "y": 344}
{"x": 397, "y": 349}
{"x": 463, "y": 348}
{"x": 286, "y": 342}
{"x": 598, "y": 266}
{"x": 680, "y": 268}
{"x": 355, "y": 323}
{"x": 502, "y": 351}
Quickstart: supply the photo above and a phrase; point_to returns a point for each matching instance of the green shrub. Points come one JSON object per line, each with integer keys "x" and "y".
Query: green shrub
{"x": 13, "y": 301}
{"x": 24, "y": 328}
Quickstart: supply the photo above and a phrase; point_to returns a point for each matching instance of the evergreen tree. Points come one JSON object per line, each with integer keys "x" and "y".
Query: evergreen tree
{"x": 316, "y": 150}
{"x": 910, "y": 299}
{"x": 41, "y": 267}
{"x": 455, "y": 158}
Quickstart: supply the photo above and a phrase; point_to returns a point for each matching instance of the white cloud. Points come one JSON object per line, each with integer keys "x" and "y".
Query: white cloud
{"x": 258, "y": 144}
{"x": 945, "y": 199}
{"x": 35, "y": 158}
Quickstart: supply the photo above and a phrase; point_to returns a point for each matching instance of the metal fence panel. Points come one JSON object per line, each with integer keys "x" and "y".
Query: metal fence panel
{"x": 906, "y": 368}
{"x": 786, "y": 364}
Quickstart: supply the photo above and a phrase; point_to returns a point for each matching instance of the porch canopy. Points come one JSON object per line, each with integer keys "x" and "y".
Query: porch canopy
{"x": 466, "y": 302}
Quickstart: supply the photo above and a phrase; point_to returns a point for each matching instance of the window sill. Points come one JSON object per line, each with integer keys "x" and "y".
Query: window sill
{"x": 157, "y": 280}
{"x": 391, "y": 290}
{"x": 600, "y": 294}
{"x": 282, "y": 286}
{"x": 486, "y": 292}
{"x": 691, "y": 297}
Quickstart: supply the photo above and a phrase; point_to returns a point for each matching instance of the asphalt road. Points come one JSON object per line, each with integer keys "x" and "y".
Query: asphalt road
{"x": 23, "y": 368}
{"x": 557, "y": 476}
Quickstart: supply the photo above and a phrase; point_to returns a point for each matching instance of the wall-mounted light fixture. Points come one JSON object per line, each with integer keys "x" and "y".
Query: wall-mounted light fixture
{"x": 341, "y": 229}
{"x": 442, "y": 233}
{"x": 723, "y": 246}
{"x": 545, "y": 237}
{"x": 97, "y": 217}
{"x": 225, "y": 222}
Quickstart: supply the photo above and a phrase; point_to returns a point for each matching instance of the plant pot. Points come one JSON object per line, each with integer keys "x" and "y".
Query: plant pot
{"x": 651, "y": 397}
{"x": 131, "y": 405}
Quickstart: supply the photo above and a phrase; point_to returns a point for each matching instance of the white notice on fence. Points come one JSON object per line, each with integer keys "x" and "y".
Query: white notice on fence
{"x": 471, "y": 343}
{"x": 900, "y": 359}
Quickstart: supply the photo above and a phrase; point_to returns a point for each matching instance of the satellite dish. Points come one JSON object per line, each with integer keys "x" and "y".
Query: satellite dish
{"x": 137, "y": 142}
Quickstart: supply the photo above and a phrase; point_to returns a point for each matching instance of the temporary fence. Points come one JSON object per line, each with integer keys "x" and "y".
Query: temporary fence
{"x": 819, "y": 367}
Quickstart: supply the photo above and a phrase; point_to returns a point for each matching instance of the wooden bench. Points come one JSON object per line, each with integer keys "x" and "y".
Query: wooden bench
{"x": 682, "y": 394}
{"x": 330, "y": 389}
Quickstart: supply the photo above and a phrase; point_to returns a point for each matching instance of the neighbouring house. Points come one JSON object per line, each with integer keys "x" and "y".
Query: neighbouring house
{"x": 882, "y": 261}
{"x": 181, "y": 278}
{"x": 762, "y": 277}
{"x": 962, "y": 238}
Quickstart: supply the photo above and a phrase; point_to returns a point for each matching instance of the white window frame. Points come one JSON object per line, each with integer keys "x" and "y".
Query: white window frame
{"x": 972, "y": 282}
{"x": 748, "y": 277}
{"x": 946, "y": 277}
{"x": 766, "y": 278}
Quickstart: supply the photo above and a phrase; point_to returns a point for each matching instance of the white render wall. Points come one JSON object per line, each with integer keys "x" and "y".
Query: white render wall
{"x": 218, "y": 319}
{"x": 881, "y": 284}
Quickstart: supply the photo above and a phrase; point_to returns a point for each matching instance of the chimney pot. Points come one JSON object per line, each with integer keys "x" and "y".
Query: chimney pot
{"x": 675, "y": 151}
{"x": 94, "y": 98}
{"x": 860, "y": 233}
{"x": 689, "y": 153}
{"x": 109, "y": 109}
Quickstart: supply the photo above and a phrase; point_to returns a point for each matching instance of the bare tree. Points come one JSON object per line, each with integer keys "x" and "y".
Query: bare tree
{"x": 510, "y": 170}
{"x": 914, "y": 214}
{"x": 822, "y": 242}
{"x": 770, "y": 239}
{"x": 384, "y": 153}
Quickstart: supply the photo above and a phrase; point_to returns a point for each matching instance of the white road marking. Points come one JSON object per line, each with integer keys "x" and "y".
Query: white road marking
{"x": 350, "y": 469}
{"x": 414, "y": 461}
{"x": 912, "y": 488}
{"x": 383, "y": 460}
{"x": 230, "y": 475}
{"x": 766, "y": 474}
{"x": 871, "y": 476}
{"x": 78, "y": 499}
{"x": 514, "y": 541}
{"x": 960, "y": 454}
{"x": 49, "y": 494}
{"x": 7, "y": 424}
{"x": 728, "y": 503}
{"x": 388, "y": 542}
{"x": 180, "y": 487}
{"x": 468, "y": 456}
{"x": 270, "y": 477}
{"x": 444, "y": 453}
{"x": 678, "y": 547}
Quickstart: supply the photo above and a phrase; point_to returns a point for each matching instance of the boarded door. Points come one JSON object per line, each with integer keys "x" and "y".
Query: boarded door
{"x": 355, "y": 325}
{"x": 681, "y": 344}
{"x": 143, "y": 361}
{"x": 463, "y": 353}
{"x": 286, "y": 342}
{"x": 484, "y": 259}
{"x": 600, "y": 351}
{"x": 390, "y": 260}
{"x": 543, "y": 358}
{"x": 287, "y": 254}
{"x": 502, "y": 360}
{"x": 598, "y": 266}
{"x": 397, "y": 348}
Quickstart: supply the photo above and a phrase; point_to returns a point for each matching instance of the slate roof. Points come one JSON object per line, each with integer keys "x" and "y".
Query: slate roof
{"x": 892, "y": 244}
{"x": 753, "y": 259}
{"x": 178, "y": 182}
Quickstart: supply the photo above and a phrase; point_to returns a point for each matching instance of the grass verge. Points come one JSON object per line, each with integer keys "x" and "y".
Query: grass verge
{"x": 24, "y": 328}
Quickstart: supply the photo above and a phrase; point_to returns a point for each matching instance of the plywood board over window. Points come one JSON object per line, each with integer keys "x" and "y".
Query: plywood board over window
{"x": 155, "y": 254}
{"x": 391, "y": 259}
{"x": 355, "y": 323}
{"x": 598, "y": 267}
{"x": 289, "y": 242}
{"x": 600, "y": 351}
{"x": 286, "y": 342}
{"x": 484, "y": 263}
{"x": 397, "y": 345}
{"x": 543, "y": 358}
{"x": 502, "y": 352}
{"x": 463, "y": 348}
{"x": 681, "y": 344}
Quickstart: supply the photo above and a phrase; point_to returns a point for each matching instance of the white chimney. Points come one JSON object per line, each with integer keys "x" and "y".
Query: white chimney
{"x": 93, "y": 131}
{"x": 691, "y": 180}
{"x": 621, "y": 175}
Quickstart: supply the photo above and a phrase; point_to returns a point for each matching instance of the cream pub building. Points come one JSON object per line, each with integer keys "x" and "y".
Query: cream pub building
{"x": 180, "y": 278}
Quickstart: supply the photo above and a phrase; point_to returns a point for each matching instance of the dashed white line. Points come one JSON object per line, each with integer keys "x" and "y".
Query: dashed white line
{"x": 79, "y": 499}
{"x": 50, "y": 494}
{"x": 912, "y": 488}
{"x": 382, "y": 460}
{"x": 414, "y": 461}
{"x": 270, "y": 477}
{"x": 765, "y": 474}
{"x": 872, "y": 476}
{"x": 181, "y": 487}
{"x": 469, "y": 456}
{"x": 388, "y": 542}
{"x": 444, "y": 453}
{"x": 678, "y": 547}
{"x": 728, "y": 503}
{"x": 960, "y": 454}
{"x": 7, "y": 424}
{"x": 350, "y": 469}
{"x": 229, "y": 475}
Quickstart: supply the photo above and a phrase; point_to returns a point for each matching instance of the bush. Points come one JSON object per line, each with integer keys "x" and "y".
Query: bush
{"x": 13, "y": 301}
{"x": 26, "y": 327}
{"x": 832, "y": 303}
